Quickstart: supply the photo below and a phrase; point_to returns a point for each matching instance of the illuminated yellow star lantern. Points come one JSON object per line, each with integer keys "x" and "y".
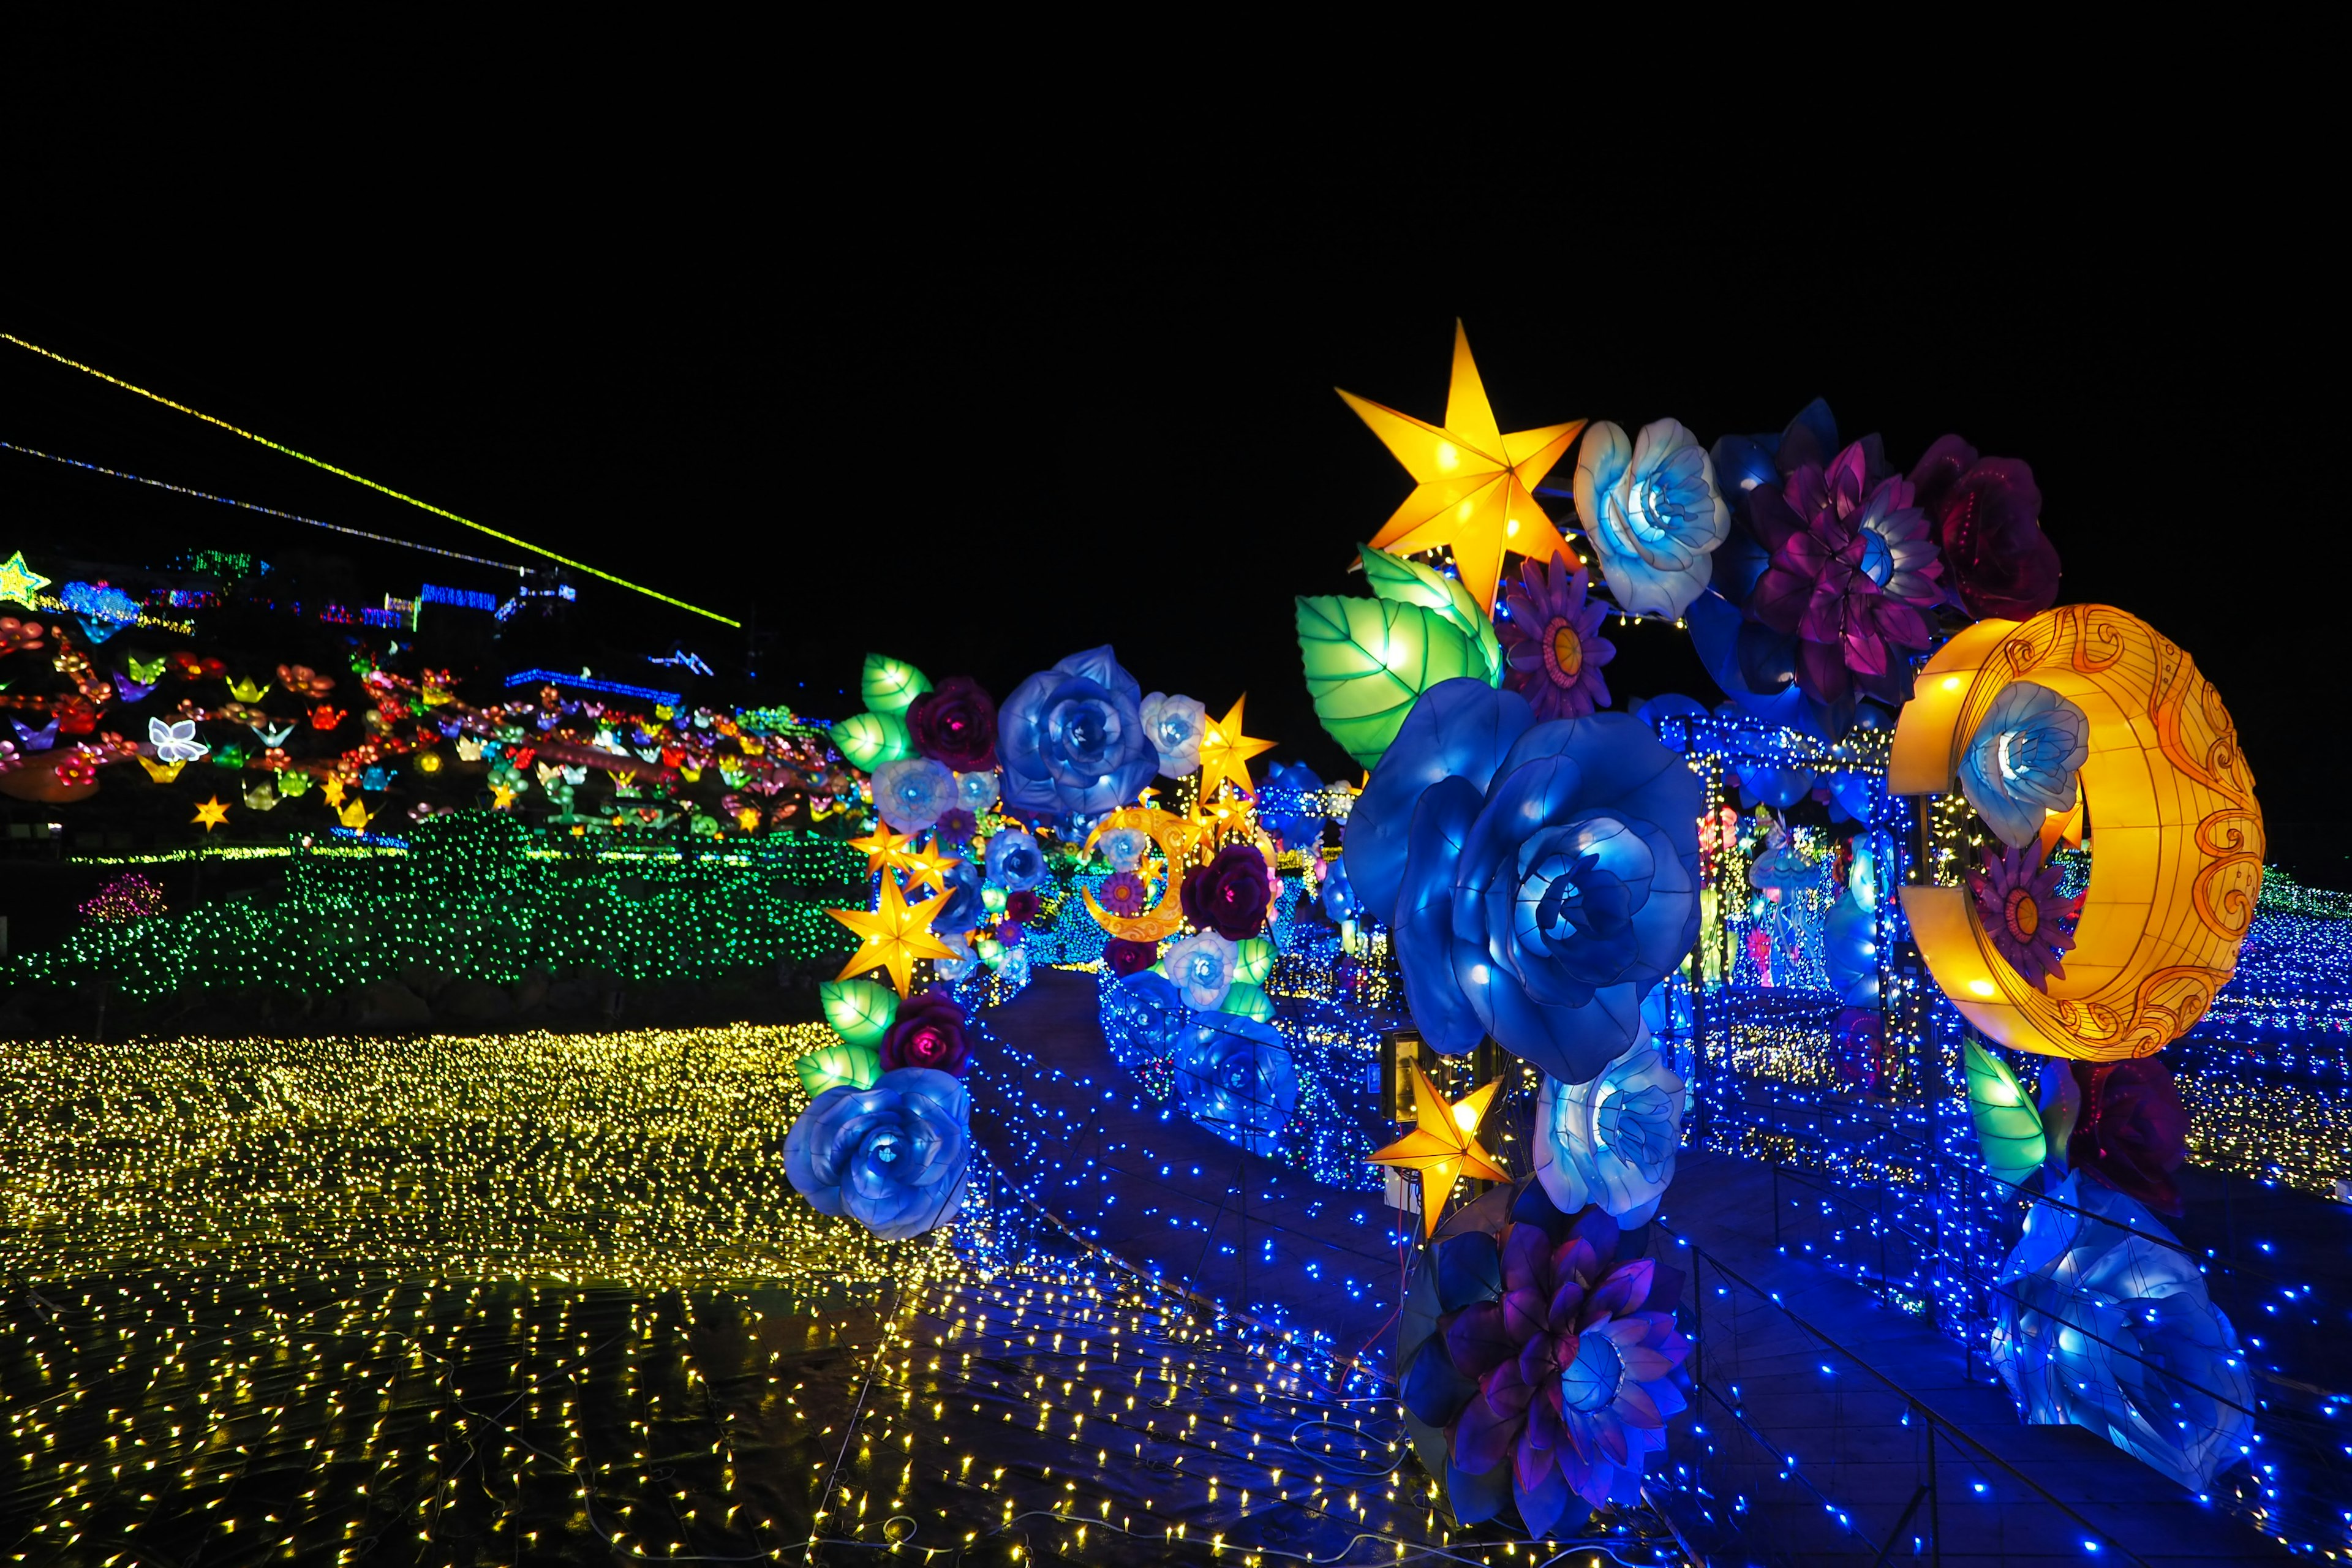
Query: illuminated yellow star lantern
{"x": 1444, "y": 1146}
{"x": 20, "y": 583}
{"x": 212, "y": 815}
{"x": 501, "y": 798}
{"x": 1473, "y": 483}
{"x": 1226, "y": 751}
{"x": 335, "y": 789}
{"x": 885, "y": 850}
{"x": 895, "y": 933}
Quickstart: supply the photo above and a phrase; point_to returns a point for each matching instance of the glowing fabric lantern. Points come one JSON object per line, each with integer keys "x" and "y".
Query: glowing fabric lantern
{"x": 1471, "y": 483}
{"x": 2008, "y": 1124}
{"x": 1179, "y": 840}
{"x": 891, "y": 685}
{"x": 2175, "y": 833}
{"x": 860, "y": 1011}
{"x": 869, "y": 739}
{"x": 830, "y": 1066}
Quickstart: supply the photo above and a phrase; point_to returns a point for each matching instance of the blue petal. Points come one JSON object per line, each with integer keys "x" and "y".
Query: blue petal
{"x": 1460, "y": 729}
{"x": 1424, "y": 937}
{"x": 1541, "y": 1509}
{"x": 1477, "y": 1498}
{"x": 1469, "y": 1268}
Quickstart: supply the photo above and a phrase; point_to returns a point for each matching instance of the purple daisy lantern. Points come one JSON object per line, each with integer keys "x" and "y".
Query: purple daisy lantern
{"x": 1853, "y": 575}
{"x": 1541, "y": 1365}
{"x": 2018, "y": 903}
{"x": 1552, "y": 646}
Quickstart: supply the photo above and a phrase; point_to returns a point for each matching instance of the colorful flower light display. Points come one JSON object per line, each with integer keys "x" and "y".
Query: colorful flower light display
{"x": 1540, "y": 1360}
{"x": 2105, "y": 1321}
{"x": 1552, "y": 647}
{"x": 1610, "y": 1141}
{"x": 891, "y": 1157}
{"x": 1549, "y": 874}
{"x": 1234, "y": 1077}
{"x": 1653, "y": 513}
{"x": 1072, "y": 738}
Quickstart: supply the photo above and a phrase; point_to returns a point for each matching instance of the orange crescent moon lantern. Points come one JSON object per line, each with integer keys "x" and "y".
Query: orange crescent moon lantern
{"x": 1184, "y": 840}
{"x": 1179, "y": 838}
{"x": 2176, "y": 834}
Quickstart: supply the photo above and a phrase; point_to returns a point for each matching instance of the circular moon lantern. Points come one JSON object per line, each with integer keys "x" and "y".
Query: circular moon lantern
{"x": 2175, "y": 836}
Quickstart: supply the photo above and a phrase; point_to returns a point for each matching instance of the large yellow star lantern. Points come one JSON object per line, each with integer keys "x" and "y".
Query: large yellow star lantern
{"x": 897, "y": 933}
{"x": 1226, "y": 751}
{"x": 1444, "y": 1146}
{"x": 212, "y": 815}
{"x": 1474, "y": 482}
{"x": 20, "y": 583}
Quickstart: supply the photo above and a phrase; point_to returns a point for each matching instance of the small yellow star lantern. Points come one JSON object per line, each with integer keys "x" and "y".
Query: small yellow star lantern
{"x": 212, "y": 814}
{"x": 1226, "y": 751}
{"x": 1473, "y": 483}
{"x": 1443, "y": 1147}
{"x": 897, "y": 933}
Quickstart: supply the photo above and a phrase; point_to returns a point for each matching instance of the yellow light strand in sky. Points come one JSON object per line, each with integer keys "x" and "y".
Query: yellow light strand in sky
{"x": 361, "y": 479}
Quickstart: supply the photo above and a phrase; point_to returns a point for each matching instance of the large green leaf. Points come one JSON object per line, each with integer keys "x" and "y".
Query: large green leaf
{"x": 1253, "y": 961}
{"x": 891, "y": 685}
{"x": 1369, "y": 660}
{"x": 869, "y": 739}
{"x": 860, "y": 1011}
{"x": 1404, "y": 582}
{"x": 829, "y": 1066}
{"x": 1249, "y": 1000}
{"x": 2008, "y": 1125}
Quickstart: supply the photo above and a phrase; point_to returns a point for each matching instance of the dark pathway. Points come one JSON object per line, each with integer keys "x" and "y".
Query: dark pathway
{"x": 1145, "y": 1182}
{"x": 1858, "y": 1461}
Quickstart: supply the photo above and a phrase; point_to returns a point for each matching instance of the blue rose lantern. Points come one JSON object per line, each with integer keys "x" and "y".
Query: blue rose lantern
{"x": 1540, "y": 878}
{"x": 2101, "y": 1320}
{"x": 1234, "y": 1075}
{"x": 1072, "y": 738}
{"x": 892, "y": 1157}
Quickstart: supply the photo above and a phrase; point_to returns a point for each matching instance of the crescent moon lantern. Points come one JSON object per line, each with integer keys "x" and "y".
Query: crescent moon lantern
{"x": 1180, "y": 839}
{"x": 2176, "y": 834}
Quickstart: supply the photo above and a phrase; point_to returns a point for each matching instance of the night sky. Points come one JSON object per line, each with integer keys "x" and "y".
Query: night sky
{"x": 1007, "y": 404}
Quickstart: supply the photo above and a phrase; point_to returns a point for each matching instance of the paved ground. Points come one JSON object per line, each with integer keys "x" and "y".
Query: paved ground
{"x": 1848, "y": 1431}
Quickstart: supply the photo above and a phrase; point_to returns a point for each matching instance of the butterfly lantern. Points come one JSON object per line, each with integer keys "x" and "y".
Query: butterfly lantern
{"x": 175, "y": 743}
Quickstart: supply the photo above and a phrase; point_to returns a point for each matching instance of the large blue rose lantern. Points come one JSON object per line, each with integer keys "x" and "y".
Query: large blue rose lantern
{"x": 1235, "y": 1075}
{"x": 2100, "y": 1320}
{"x": 1540, "y": 878}
{"x": 891, "y": 1157}
{"x": 1072, "y": 738}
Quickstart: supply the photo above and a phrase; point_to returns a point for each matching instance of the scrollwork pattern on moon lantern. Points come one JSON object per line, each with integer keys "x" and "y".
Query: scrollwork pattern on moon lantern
{"x": 1612, "y": 1142}
{"x": 1540, "y": 878}
{"x": 2100, "y": 1320}
{"x": 891, "y": 1157}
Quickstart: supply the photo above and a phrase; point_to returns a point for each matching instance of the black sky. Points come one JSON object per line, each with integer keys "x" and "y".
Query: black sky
{"x": 982, "y": 397}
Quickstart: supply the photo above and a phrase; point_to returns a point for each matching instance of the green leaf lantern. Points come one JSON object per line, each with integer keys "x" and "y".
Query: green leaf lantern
{"x": 869, "y": 739}
{"x": 1253, "y": 961}
{"x": 891, "y": 685}
{"x": 860, "y": 1011}
{"x": 830, "y": 1066}
{"x": 1403, "y": 582}
{"x": 1250, "y": 1001}
{"x": 1369, "y": 660}
{"x": 2008, "y": 1124}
